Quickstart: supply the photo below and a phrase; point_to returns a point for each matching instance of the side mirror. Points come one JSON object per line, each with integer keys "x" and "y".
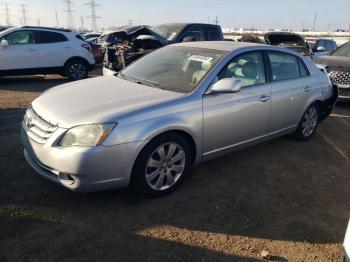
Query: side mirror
{"x": 4, "y": 43}
{"x": 226, "y": 85}
{"x": 189, "y": 39}
{"x": 321, "y": 49}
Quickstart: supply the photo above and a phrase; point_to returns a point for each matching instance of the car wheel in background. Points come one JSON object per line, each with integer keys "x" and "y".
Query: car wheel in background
{"x": 308, "y": 124}
{"x": 162, "y": 165}
{"x": 76, "y": 70}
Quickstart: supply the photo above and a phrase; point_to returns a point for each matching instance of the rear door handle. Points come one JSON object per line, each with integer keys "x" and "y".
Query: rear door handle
{"x": 308, "y": 89}
{"x": 264, "y": 98}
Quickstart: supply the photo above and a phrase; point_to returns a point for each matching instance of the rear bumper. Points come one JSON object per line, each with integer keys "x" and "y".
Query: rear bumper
{"x": 328, "y": 105}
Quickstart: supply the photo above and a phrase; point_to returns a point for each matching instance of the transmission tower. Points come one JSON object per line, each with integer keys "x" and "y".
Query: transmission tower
{"x": 93, "y": 15}
{"x": 7, "y": 14}
{"x": 69, "y": 11}
{"x": 24, "y": 14}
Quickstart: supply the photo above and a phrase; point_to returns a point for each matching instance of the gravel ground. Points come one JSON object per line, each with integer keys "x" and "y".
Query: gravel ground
{"x": 285, "y": 197}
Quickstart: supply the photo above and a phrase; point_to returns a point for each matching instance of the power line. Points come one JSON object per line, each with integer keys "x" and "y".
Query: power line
{"x": 24, "y": 14}
{"x": 69, "y": 11}
{"x": 93, "y": 4}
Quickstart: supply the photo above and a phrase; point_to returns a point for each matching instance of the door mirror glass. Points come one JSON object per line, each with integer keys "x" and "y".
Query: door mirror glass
{"x": 321, "y": 49}
{"x": 226, "y": 85}
{"x": 4, "y": 43}
{"x": 189, "y": 39}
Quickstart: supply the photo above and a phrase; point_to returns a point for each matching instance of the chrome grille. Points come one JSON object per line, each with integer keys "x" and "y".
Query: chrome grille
{"x": 36, "y": 128}
{"x": 340, "y": 78}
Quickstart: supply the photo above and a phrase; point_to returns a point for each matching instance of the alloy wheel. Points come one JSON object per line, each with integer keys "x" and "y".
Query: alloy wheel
{"x": 77, "y": 71}
{"x": 310, "y": 121}
{"x": 165, "y": 166}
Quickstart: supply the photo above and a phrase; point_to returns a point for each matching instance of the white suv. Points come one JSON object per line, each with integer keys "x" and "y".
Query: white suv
{"x": 41, "y": 50}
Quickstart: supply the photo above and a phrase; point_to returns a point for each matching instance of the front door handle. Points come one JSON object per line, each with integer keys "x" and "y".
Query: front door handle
{"x": 264, "y": 98}
{"x": 308, "y": 89}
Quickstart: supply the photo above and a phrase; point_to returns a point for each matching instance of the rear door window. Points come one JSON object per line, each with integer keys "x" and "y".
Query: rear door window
{"x": 211, "y": 34}
{"x": 195, "y": 32}
{"x": 283, "y": 66}
{"x": 46, "y": 37}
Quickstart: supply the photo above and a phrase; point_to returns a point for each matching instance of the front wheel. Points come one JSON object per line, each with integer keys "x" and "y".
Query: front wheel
{"x": 308, "y": 124}
{"x": 161, "y": 166}
{"x": 76, "y": 70}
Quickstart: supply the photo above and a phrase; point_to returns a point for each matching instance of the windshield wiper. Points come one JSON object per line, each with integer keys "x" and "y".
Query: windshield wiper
{"x": 139, "y": 80}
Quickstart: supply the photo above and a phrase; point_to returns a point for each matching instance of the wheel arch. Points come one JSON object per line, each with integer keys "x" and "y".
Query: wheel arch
{"x": 76, "y": 58}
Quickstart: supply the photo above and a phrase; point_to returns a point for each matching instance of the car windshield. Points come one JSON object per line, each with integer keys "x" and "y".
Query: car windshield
{"x": 342, "y": 51}
{"x": 169, "y": 32}
{"x": 178, "y": 69}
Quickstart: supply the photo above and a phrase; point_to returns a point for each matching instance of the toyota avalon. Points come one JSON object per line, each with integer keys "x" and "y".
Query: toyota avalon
{"x": 175, "y": 107}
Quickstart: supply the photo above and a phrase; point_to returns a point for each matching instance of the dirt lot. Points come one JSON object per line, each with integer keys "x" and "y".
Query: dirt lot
{"x": 288, "y": 198}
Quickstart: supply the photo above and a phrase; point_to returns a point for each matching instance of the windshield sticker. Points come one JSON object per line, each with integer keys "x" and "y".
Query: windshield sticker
{"x": 172, "y": 36}
{"x": 200, "y": 58}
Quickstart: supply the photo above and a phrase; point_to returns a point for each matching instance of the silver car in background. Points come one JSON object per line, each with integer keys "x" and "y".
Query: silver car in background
{"x": 176, "y": 107}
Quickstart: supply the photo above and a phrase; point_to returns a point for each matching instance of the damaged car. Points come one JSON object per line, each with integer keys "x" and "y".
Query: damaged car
{"x": 290, "y": 41}
{"x": 129, "y": 43}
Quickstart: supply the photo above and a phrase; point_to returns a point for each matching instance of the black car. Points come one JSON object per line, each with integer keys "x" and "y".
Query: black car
{"x": 129, "y": 43}
{"x": 339, "y": 66}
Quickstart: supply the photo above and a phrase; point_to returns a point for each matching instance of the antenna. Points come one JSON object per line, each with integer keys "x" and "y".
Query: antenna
{"x": 69, "y": 11}
{"x": 7, "y": 14}
{"x": 24, "y": 14}
{"x": 93, "y": 4}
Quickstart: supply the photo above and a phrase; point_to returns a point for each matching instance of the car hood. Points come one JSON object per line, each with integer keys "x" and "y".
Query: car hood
{"x": 333, "y": 61}
{"x": 97, "y": 100}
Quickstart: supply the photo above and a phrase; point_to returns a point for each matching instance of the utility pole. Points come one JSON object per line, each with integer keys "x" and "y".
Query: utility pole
{"x": 38, "y": 21}
{"x": 82, "y": 23}
{"x": 217, "y": 20}
{"x": 69, "y": 11}
{"x": 316, "y": 15}
{"x": 93, "y": 16}
{"x": 24, "y": 14}
{"x": 7, "y": 14}
{"x": 56, "y": 15}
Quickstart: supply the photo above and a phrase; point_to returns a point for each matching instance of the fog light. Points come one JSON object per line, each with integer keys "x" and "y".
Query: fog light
{"x": 66, "y": 178}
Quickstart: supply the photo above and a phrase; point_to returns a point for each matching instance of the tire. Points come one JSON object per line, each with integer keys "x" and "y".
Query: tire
{"x": 76, "y": 70}
{"x": 308, "y": 124}
{"x": 155, "y": 176}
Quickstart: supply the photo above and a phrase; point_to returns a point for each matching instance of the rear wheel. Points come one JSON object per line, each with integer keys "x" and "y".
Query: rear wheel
{"x": 161, "y": 166}
{"x": 76, "y": 70}
{"x": 308, "y": 124}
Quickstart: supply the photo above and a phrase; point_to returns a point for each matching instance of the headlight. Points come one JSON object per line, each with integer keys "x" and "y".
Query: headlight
{"x": 87, "y": 135}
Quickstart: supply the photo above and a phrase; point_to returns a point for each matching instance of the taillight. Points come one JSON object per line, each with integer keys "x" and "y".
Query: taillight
{"x": 87, "y": 47}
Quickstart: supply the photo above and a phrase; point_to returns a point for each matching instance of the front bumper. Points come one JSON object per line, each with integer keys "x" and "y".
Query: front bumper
{"x": 344, "y": 92}
{"x": 82, "y": 169}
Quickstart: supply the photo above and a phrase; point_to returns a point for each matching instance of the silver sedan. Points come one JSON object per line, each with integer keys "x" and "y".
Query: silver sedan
{"x": 176, "y": 107}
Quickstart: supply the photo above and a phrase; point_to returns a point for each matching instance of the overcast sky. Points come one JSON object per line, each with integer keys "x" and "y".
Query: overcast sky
{"x": 262, "y": 14}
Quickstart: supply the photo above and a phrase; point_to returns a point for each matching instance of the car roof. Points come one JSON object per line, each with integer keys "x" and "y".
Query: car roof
{"x": 228, "y": 46}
